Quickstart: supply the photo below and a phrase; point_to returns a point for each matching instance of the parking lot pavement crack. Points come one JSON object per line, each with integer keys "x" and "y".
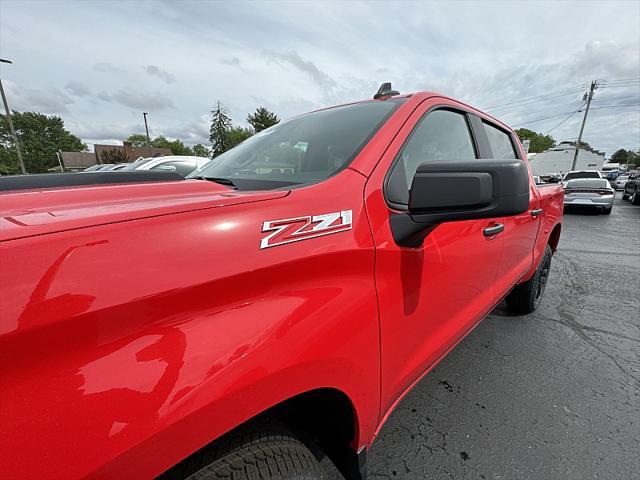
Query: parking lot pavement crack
{"x": 576, "y": 325}
{"x": 599, "y": 252}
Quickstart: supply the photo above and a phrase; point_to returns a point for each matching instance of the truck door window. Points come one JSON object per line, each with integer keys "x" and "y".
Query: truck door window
{"x": 440, "y": 135}
{"x": 500, "y": 142}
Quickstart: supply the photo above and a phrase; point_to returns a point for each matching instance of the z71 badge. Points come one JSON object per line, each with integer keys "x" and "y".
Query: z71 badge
{"x": 290, "y": 230}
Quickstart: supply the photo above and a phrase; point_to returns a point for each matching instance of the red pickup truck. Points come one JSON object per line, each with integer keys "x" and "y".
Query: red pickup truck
{"x": 262, "y": 318}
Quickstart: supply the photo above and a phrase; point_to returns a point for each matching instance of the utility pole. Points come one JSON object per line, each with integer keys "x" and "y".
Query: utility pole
{"x": 10, "y": 122}
{"x": 146, "y": 127}
{"x": 588, "y": 97}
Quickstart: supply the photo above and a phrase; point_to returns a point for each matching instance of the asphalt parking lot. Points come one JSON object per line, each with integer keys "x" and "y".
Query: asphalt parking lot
{"x": 552, "y": 395}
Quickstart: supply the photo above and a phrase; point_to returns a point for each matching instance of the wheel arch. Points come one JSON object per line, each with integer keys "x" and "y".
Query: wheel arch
{"x": 554, "y": 238}
{"x": 325, "y": 419}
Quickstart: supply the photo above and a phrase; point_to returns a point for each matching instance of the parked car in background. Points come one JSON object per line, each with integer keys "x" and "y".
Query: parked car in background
{"x": 139, "y": 161}
{"x": 620, "y": 182}
{"x": 575, "y": 174}
{"x": 589, "y": 193}
{"x": 612, "y": 175}
{"x": 181, "y": 164}
{"x": 98, "y": 167}
{"x": 116, "y": 167}
{"x": 631, "y": 189}
{"x": 551, "y": 178}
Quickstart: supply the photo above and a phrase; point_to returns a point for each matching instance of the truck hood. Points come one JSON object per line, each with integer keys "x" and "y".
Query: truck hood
{"x": 27, "y": 213}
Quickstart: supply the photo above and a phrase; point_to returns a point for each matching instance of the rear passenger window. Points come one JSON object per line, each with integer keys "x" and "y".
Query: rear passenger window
{"x": 500, "y": 142}
{"x": 440, "y": 135}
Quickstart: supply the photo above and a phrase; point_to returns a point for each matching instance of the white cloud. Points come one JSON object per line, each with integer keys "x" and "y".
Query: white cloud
{"x": 138, "y": 100}
{"x": 106, "y": 67}
{"x": 160, "y": 73}
{"x": 296, "y": 56}
{"x": 78, "y": 89}
{"x": 51, "y": 101}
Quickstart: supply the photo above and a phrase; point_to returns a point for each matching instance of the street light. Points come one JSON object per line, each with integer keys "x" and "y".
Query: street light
{"x": 146, "y": 127}
{"x": 11, "y": 129}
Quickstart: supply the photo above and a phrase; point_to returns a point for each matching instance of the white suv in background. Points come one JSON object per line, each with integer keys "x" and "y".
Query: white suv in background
{"x": 181, "y": 164}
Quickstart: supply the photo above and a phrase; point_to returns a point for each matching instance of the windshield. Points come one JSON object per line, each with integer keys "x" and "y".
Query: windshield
{"x": 306, "y": 149}
{"x": 571, "y": 175}
{"x": 137, "y": 163}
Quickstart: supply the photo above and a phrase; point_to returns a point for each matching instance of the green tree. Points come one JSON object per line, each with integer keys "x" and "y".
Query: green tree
{"x": 138, "y": 140}
{"x": 238, "y": 135}
{"x": 176, "y": 146}
{"x": 40, "y": 137}
{"x": 539, "y": 142}
{"x": 262, "y": 118}
{"x": 219, "y": 133}
{"x": 620, "y": 156}
{"x": 201, "y": 151}
{"x": 625, "y": 157}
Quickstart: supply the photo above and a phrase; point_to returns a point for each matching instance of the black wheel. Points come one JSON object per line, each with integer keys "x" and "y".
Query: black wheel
{"x": 635, "y": 198}
{"x": 607, "y": 211}
{"x": 526, "y": 297}
{"x": 625, "y": 196}
{"x": 268, "y": 452}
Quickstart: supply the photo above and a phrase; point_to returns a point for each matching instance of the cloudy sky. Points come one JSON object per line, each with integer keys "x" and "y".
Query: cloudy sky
{"x": 100, "y": 64}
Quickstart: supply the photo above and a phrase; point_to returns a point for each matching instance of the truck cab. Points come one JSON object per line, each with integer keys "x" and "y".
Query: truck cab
{"x": 281, "y": 299}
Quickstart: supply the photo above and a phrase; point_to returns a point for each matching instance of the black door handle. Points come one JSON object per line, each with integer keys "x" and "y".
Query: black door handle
{"x": 536, "y": 212}
{"x": 493, "y": 230}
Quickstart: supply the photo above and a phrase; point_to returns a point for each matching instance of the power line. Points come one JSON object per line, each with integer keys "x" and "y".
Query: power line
{"x": 621, "y": 80}
{"x": 621, "y": 85}
{"x": 568, "y": 105}
{"x": 571, "y": 91}
{"x": 549, "y": 118}
{"x": 619, "y": 105}
{"x": 564, "y": 120}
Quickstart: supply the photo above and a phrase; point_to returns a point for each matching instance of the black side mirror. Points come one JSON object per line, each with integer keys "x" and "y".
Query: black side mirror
{"x": 449, "y": 191}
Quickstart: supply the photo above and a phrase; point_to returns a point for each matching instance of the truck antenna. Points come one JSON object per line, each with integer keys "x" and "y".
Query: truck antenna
{"x": 385, "y": 90}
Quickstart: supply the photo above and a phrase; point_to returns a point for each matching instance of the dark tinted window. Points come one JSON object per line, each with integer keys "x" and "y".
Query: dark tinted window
{"x": 306, "y": 149}
{"x": 588, "y": 183}
{"x": 500, "y": 143}
{"x": 571, "y": 175}
{"x": 441, "y": 135}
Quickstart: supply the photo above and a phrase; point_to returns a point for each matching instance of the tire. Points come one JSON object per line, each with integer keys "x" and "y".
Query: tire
{"x": 625, "y": 196}
{"x": 607, "y": 211}
{"x": 269, "y": 452}
{"x": 635, "y": 198}
{"x": 526, "y": 297}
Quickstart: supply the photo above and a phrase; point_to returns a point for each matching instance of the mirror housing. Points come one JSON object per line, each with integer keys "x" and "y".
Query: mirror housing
{"x": 452, "y": 191}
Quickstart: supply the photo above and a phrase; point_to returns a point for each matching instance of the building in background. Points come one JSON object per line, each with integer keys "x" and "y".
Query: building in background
{"x": 560, "y": 159}
{"x": 78, "y": 161}
{"x": 126, "y": 153}
{"x": 74, "y": 161}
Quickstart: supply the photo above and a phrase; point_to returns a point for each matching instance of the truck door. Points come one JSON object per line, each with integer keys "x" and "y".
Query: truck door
{"x": 520, "y": 230}
{"x": 429, "y": 296}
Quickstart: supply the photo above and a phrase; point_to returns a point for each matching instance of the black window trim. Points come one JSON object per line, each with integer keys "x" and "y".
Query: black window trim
{"x": 479, "y": 146}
